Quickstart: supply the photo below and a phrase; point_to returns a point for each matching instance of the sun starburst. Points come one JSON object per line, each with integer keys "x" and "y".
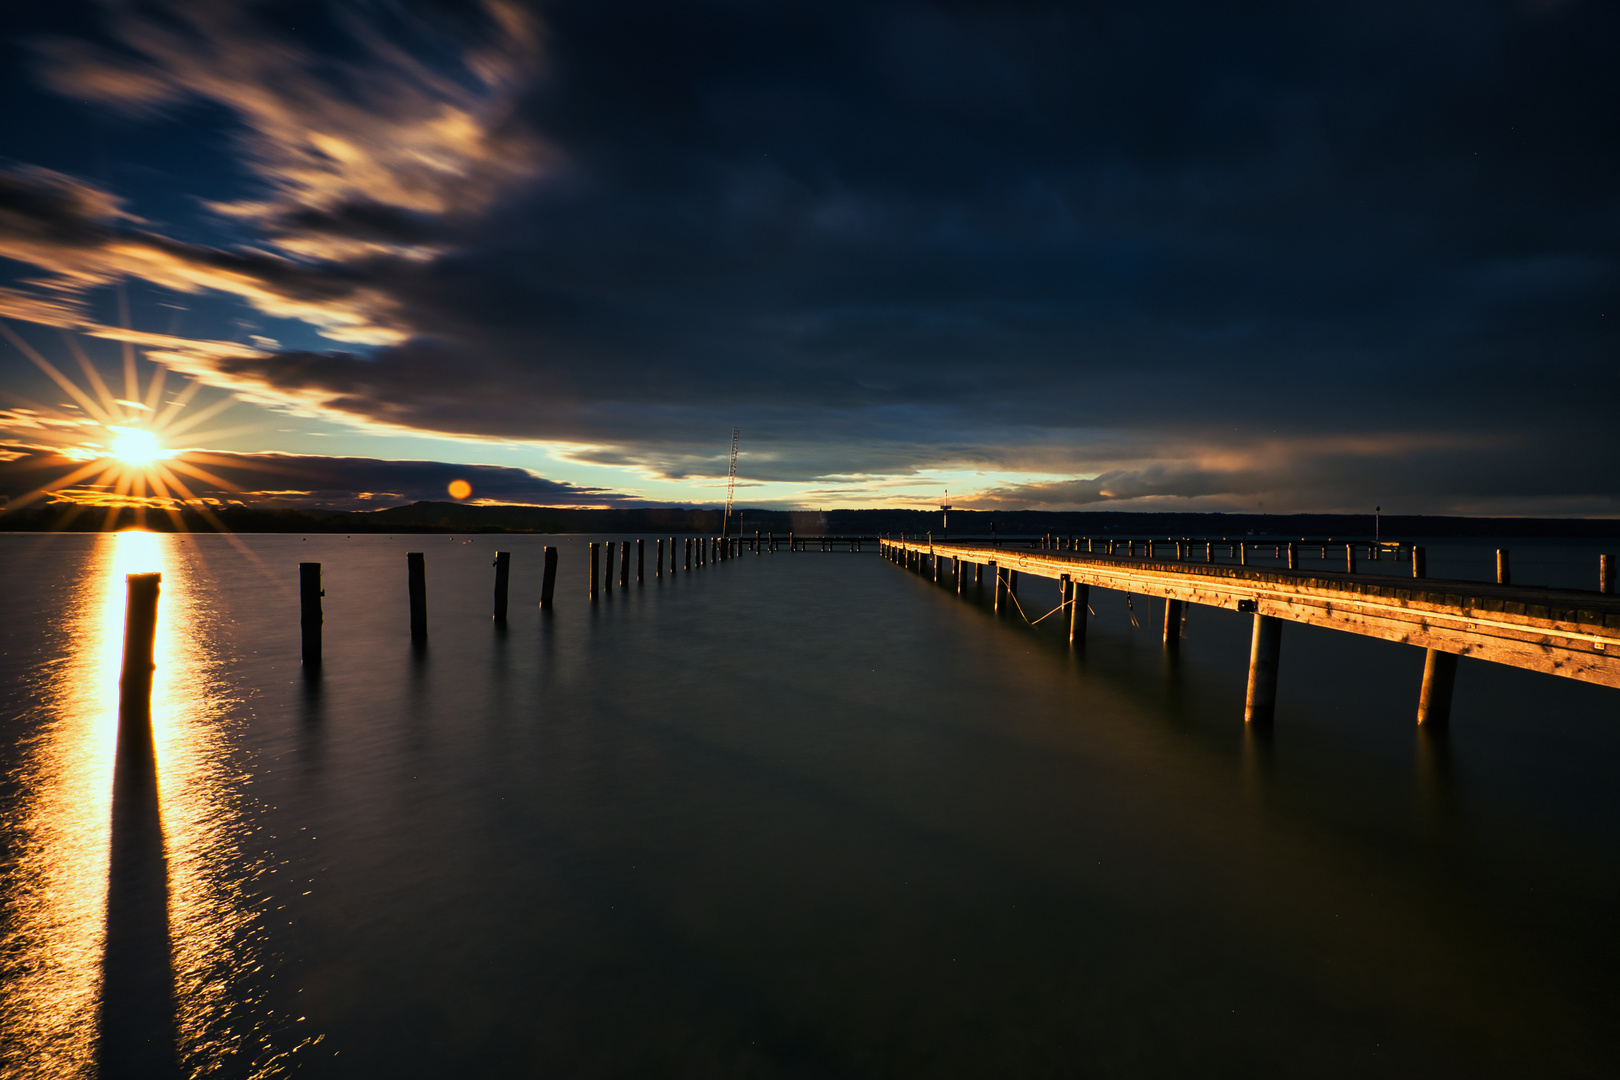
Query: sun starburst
{"x": 126, "y": 445}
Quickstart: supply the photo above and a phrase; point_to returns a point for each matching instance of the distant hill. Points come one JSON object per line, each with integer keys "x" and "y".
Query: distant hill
{"x": 463, "y": 517}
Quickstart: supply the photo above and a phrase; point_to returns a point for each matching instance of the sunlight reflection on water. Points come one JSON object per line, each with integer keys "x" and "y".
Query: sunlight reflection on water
{"x": 59, "y": 887}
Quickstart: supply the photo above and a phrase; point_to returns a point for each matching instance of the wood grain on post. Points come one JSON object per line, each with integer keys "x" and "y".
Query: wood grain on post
{"x": 1172, "y": 625}
{"x": 548, "y": 576}
{"x": 140, "y": 645}
{"x": 1439, "y": 680}
{"x": 1265, "y": 648}
{"x": 309, "y": 611}
{"x": 416, "y": 573}
{"x": 503, "y": 577}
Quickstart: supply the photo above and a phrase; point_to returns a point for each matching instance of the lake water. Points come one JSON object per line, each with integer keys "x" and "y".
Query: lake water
{"x": 791, "y": 815}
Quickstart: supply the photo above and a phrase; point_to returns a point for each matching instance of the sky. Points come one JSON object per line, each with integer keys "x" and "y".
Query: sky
{"x": 1155, "y": 256}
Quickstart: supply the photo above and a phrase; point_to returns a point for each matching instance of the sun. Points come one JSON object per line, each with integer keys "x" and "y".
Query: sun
{"x": 136, "y": 446}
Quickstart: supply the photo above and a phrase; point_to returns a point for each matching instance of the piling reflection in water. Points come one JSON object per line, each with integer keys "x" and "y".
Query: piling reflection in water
{"x": 128, "y": 915}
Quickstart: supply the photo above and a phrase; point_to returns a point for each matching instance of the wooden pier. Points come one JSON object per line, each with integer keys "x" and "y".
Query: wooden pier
{"x": 1560, "y": 632}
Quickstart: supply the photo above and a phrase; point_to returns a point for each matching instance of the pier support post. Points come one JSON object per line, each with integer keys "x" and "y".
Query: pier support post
{"x": 1209, "y": 552}
{"x": 1260, "y": 704}
{"x": 503, "y": 577}
{"x": 790, "y": 541}
{"x": 1001, "y": 588}
{"x": 641, "y": 560}
{"x": 1079, "y": 603}
{"x": 548, "y": 576}
{"x": 1504, "y": 575}
{"x": 416, "y": 582}
{"x": 1606, "y": 575}
{"x": 1243, "y": 553}
{"x": 688, "y": 549}
{"x": 1012, "y": 582}
{"x": 658, "y": 558}
{"x": 961, "y": 576}
{"x": 1172, "y": 626}
{"x": 140, "y": 637}
{"x": 1439, "y": 679}
{"x": 596, "y": 567}
{"x": 978, "y": 573}
{"x": 1349, "y": 558}
{"x": 672, "y": 566}
{"x": 1293, "y": 557}
{"x": 1420, "y": 563}
{"x": 607, "y": 566}
{"x": 309, "y": 611}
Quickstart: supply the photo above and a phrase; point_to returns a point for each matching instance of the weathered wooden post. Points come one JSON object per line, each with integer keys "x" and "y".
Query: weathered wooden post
{"x": 770, "y": 541}
{"x": 1260, "y": 704}
{"x": 548, "y": 576}
{"x": 658, "y": 558}
{"x": 140, "y": 642}
{"x": 596, "y": 560}
{"x": 672, "y": 566}
{"x": 1349, "y": 558}
{"x": 1243, "y": 553}
{"x": 1420, "y": 563}
{"x": 624, "y": 565}
{"x": 641, "y": 560}
{"x": 791, "y": 543}
{"x": 309, "y": 605}
{"x": 1293, "y": 557}
{"x": 503, "y": 576}
{"x": 1209, "y": 551}
{"x": 1172, "y": 625}
{"x": 1077, "y": 613}
{"x": 1012, "y": 582}
{"x": 416, "y": 582}
{"x": 978, "y": 573}
{"x": 1606, "y": 575}
{"x": 756, "y": 541}
{"x": 687, "y": 546}
{"x": 1439, "y": 680}
{"x": 1504, "y": 576}
{"x": 607, "y": 567}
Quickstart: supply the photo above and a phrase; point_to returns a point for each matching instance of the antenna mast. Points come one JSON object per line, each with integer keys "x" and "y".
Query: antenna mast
{"x": 731, "y": 482}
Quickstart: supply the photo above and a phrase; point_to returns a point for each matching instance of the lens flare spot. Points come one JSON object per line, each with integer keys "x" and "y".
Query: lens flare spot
{"x": 460, "y": 489}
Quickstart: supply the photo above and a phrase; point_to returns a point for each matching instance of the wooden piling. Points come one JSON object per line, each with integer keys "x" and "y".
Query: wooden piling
{"x": 596, "y": 560}
{"x": 503, "y": 576}
{"x": 790, "y": 542}
{"x": 310, "y": 617}
{"x": 140, "y": 642}
{"x": 658, "y": 558}
{"x": 1606, "y": 575}
{"x": 1243, "y": 553}
{"x": 1349, "y": 558}
{"x": 607, "y": 566}
{"x": 1012, "y": 581}
{"x": 1209, "y": 552}
{"x": 1420, "y": 563}
{"x": 624, "y": 565}
{"x": 978, "y": 574}
{"x": 641, "y": 560}
{"x": 672, "y": 566}
{"x": 687, "y": 546}
{"x": 1172, "y": 625}
{"x": 1439, "y": 679}
{"x": 1078, "y": 612}
{"x": 1504, "y": 575}
{"x": 1000, "y": 589}
{"x": 416, "y": 573}
{"x": 1293, "y": 557}
{"x": 961, "y": 576}
{"x": 548, "y": 577}
{"x": 1260, "y": 704}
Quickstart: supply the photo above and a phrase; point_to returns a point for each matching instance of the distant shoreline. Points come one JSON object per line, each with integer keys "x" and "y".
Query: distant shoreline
{"x": 446, "y": 517}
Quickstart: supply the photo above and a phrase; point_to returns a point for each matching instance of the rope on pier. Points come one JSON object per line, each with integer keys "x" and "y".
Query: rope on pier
{"x": 1014, "y": 597}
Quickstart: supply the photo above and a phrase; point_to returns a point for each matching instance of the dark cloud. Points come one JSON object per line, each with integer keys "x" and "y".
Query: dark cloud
{"x": 1110, "y": 241}
{"x": 333, "y": 483}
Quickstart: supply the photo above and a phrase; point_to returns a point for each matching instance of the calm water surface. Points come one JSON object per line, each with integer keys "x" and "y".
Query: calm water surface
{"x": 790, "y": 815}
